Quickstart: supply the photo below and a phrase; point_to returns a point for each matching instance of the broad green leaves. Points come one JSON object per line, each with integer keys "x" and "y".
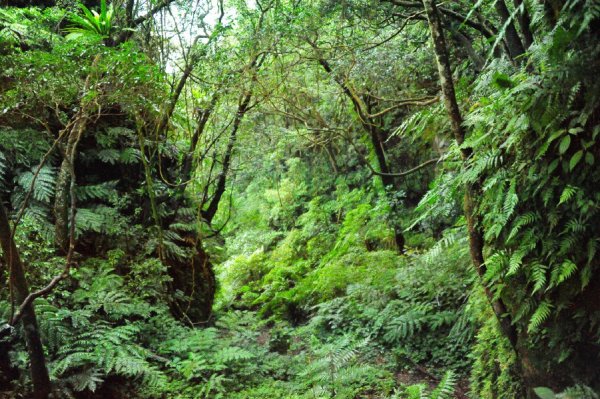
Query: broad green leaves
{"x": 91, "y": 24}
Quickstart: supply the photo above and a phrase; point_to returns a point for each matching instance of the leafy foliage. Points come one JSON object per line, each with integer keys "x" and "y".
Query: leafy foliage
{"x": 296, "y": 159}
{"x": 91, "y": 23}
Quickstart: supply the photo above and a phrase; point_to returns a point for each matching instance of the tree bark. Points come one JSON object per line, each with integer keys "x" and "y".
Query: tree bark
{"x": 213, "y": 206}
{"x": 63, "y": 181}
{"x": 515, "y": 46}
{"x": 525, "y": 24}
{"x": 18, "y": 282}
{"x": 387, "y": 179}
{"x": 73, "y": 132}
{"x": 472, "y": 191}
{"x": 166, "y": 116}
{"x": 61, "y": 210}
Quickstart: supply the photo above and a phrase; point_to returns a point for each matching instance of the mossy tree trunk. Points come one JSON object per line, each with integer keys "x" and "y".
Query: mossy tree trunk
{"x": 18, "y": 283}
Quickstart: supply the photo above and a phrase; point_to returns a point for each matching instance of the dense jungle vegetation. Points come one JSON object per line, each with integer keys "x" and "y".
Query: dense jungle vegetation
{"x": 300, "y": 199}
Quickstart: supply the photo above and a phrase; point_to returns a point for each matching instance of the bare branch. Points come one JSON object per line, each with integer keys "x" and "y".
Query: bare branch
{"x": 417, "y": 101}
{"x": 406, "y": 173}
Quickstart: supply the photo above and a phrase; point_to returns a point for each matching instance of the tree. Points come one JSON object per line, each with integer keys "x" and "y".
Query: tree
{"x": 18, "y": 283}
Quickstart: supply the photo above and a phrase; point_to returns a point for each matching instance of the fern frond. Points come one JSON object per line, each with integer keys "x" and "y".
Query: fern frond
{"x": 446, "y": 387}
{"x": 539, "y": 316}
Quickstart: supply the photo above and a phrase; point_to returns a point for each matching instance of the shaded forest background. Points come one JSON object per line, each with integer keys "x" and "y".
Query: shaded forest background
{"x": 299, "y": 199}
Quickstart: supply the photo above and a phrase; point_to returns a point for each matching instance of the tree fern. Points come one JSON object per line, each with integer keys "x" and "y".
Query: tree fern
{"x": 98, "y": 219}
{"x": 109, "y": 155}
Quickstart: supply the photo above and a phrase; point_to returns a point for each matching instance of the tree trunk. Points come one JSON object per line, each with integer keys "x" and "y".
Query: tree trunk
{"x": 63, "y": 181}
{"x": 61, "y": 207}
{"x": 168, "y": 113}
{"x": 525, "y": 24}
{"x": 515, "y": 46}
{"x": 466, "y": 44}
{"x": 73, "y": 132}
{"x": 195, "y": 277}
{"x": 39, "y": 373}
{"x": 213, "y": 206}
{"x": 472, "y": 191}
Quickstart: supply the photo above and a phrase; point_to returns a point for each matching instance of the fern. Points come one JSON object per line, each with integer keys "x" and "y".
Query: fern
{"x": 521, "y": 221}
{"x": 563, "y": 272}
{"x": 232, "y": 354}
{"x": 103, "y": 191}
{"x": 88, "y": 379}
{"x": 99, "y": 219}
{"x": 515, "y": 262}
{"x": 539, "y": 316}
{"x": 110, "y": 350}
{"x": 109, "y": 155}
{"x": 567, "y": 194}
{"x": 129, "y": 156}
{"x": 445, "y": 389}
{"x": 335, "y": 366}
{"x": 91, "y": 23}
{"x": 538, "y": 276}
{"x": 42, "y": 185}
{"x": 407, "y": 324}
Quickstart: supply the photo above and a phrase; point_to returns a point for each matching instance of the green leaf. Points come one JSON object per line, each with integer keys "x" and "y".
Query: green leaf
{"x": 589, "y": 158}
{"x": 575, "y": 130}
{"x": 567, "y": 194}
{"x": 553, "y": 165}
{"x": 539, "y": 316}
{"x": 544, "y": 393}
{"x": 575, "y": 159}
{"x": 538, "y": 277}
{"x": 556, "y": 135}
{"x": 566, "y": 270}
{"x": 564, "y": 144}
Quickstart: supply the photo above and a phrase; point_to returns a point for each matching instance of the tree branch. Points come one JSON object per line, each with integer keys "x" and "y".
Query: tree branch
{"x": 408, "y": 172}
{"x": 450, "y": 13}
{"x": 417, "y": 101}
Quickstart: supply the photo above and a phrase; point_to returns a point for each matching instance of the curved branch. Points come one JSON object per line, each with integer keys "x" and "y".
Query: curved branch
{"x": 416, "y": 101}
{"x": 408, "y": 172}
{"x": 485, "y": 31}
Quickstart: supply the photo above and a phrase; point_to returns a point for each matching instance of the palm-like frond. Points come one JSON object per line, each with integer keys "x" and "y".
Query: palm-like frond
{"x": 91, "y": 23}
